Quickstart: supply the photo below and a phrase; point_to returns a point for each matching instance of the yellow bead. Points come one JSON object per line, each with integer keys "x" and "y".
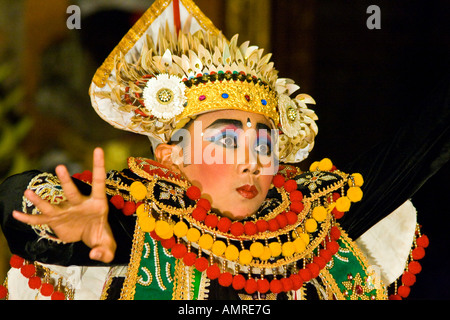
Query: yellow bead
{"x": 163, "y": 229}
{"x": 300, "y": 245}
{"x": 180, "y": 229}
{"x": 304, "y": 237}
{"x": 256, "y": 249}
{"x": 314, "y": 166}
{"x": 267, "y": 253}
{"x": 319, "y": 213}
{"x": 287, "y": 249}
{"x": 310, "y": 225}
{"x": 245, "y": 256}
{"x": 325, "y": 164}
{"x": 343, "y": 204}
{"x": 138, "y": 190}
{"x": 206, "y": 241}
{"x": 354, "y": 194}
{"x": 275, "y": 249}
{"x": 193, "y": 235}
{"x": 147, "y": 224}
{"x": 358, "y": 178}
{"x": 140, "y": 211}
{"x": 218, "y": 247}
{"x": 232, "y": 253}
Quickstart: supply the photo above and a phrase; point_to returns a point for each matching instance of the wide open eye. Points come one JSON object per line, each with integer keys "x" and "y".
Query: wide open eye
{"x": 263, "y": 147}
{"x": 226, "y": 139}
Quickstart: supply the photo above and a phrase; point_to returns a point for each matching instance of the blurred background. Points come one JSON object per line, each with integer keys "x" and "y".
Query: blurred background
{"x": 364, "y": 82}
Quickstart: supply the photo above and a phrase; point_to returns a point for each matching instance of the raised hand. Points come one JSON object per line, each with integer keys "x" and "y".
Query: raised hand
{"x": 79, "y": 218}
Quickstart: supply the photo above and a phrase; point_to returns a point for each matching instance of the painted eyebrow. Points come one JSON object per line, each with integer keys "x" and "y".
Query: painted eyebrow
{"x": 261, "y": 126}
{"x": 221, "y": 122}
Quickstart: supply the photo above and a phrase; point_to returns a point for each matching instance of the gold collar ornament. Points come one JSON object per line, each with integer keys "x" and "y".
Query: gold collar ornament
{"x": 174, "y": 65}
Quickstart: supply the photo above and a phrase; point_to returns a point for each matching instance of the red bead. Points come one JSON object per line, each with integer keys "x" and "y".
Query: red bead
{"x": 47, "y": 289}
{"x": 225, "y": 279}
{"x": 297, "y": 206}
{"x": 408, "y": 279}
{"x": 204, "y": 203}
{"x": 403, "y": 291}
{"x": 168, "y": 243}
{"x": 28, "y": 270}
{"x": 418, "y": 253}
{"x": 282, "y": 220}
{"x": 34, "y": 283}
{"x": 57, "y": 295}
{"x": 213, "y": 272}
{"x": 326, "y": 254}
{"x": 193, "y": 193}
{"x": 263, "y": 285}
{"x": 201, "y": 264}
{"x": 238, "y": 282}
{"x": 290, "y": 185}
{"x": 189, "y": 258}
{"x": 287, "y": 284}
{"x": 278, "y": 181}
{"x": 179, "y": 250}
{"x": 320, "y": 262}
{"x": 359, "y": 289}
{"x": 129, "y": 208}
{"x": 250, "y": 228}
{"x": 211, "y": 220}
{"x": 291, "y": 217}
{"x": 297, "y": 281}
{"x": 117, "y": 201}
{"x": 273, "y": 225}
{"x": 262, "y": 225}
{"x": 296, "y": 195}
{"x": 423, "y": 241}
{"x": 335, "y": 233}
{"x": 251, "y": 286}
{"x": 314, "y": 268}
{"x": 199, "y": 213}
{"x": 16, "y": 262}
{"x": 224, "y": 224}
{"x": 237, "y": 229}
{"x": 305, "y": 274}
{"x": 414, "y": 267}
{"x": 276, "y": 286}
{"x": 333, "y": 246}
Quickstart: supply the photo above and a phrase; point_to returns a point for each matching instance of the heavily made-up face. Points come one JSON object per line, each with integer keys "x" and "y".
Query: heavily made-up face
{"x": 230, "y": 156}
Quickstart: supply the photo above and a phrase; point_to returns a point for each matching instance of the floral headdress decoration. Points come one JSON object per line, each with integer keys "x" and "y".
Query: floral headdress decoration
{"x": 174, "y": 65}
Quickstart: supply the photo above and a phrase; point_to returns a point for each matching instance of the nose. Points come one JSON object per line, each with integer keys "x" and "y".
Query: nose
{"x": 248, "y": 162}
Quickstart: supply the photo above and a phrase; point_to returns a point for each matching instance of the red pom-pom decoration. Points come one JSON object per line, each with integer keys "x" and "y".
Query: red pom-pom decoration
{"x": 211, "y": 220}
{"x": 403, "y": 291}
{"x": 282, "y": 220}
{"x": 237, "y": 229}
{"x": 333, "y": 246}
{"x": 193, "y": 193}
{"x": 213, "y": 272}
{"x": 273, "y": 225}
{"x": 117, "y": 201}
{"x": 189, "y": 258}
{"x": 414, "y": 267}
{"x": 224, "y": 224}
{"x": 305, "y": 274}
{"x": 263, "y": 285}
{"x": 201, "y": 264}
{"x": 423, "y": 241}
{"x": 314, "y": 268}
{"x": 335, "y": 233}
{"x": 47, "y": 289}
{"x": 297, "y": 281}
{"x": 337, "y": 214}
{"x": 287, "y": 284}
{"x": 155, "y": 236}
{"x": 276, "y": 286}
{"x": 168, "y": 243}
{"x": 129, "y": 208}
{"x": 395, "y": 297}
{"x": 16, "y": 262}
{"x": 250, "y": 228}
{"x": 296, "y": 195}
{"x": 418, "y": 253}
{"x": 251, "y": 286}
{"x": 238, "y": 282}
{"x": 278, "y": 181}
{"x": 262, "y": 225}
{"x": 204, "y": 203}
{"x": 326, "y": 254}
{"x": 179, "y": 250}
{"x": 335, "y": 196}
{"x": 408, "y": 279}
{"x": 297, "y": 206}
{"x": 290, "y": 185}
{"x": 34, "y": 282}
{"x": 58, "y": 295}
{"x": 28, "y": 270}
{"x": 199, "y": 213}
{"x": 225, "y": 279}
{"x": 291, "y": 217}
{"x": 3, "y": 292}
{"x": 320, "y": 261}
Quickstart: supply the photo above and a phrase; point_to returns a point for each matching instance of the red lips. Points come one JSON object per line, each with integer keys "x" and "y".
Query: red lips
{"x": 247, "y": 191}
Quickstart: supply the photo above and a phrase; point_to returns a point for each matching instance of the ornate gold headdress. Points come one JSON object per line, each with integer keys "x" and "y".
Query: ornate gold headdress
{"x": 174, "y": 65}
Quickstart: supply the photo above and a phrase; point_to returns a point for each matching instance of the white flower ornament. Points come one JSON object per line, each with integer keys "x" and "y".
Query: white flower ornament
{"x": 164, "y": 96}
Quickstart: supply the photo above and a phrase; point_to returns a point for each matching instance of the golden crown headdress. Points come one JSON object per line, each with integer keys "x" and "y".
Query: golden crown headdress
{"x": 174, "y": 65}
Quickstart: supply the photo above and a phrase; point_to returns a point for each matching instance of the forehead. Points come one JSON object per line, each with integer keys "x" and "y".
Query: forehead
{"x": 242, "y": 116}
